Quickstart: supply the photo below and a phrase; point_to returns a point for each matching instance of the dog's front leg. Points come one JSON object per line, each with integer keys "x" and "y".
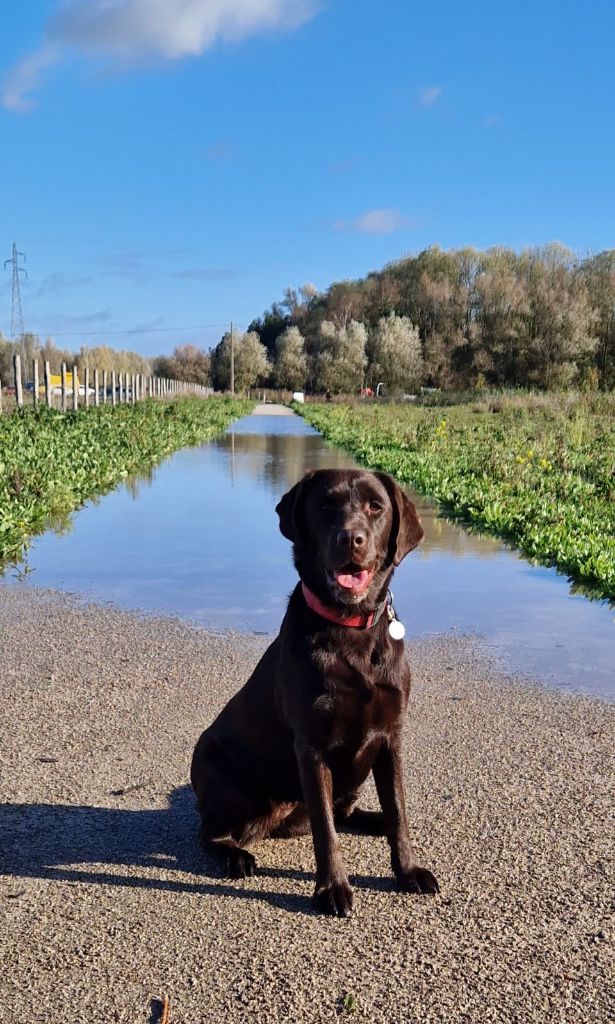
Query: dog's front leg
{"x": 388, "y": 776}
{"x": 333, "y": 894}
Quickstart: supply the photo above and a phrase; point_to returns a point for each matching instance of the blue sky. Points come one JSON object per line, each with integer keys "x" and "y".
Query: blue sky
{"x": 172, "y": 164}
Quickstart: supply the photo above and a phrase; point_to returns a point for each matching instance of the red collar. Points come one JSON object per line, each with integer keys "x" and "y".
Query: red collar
{"x": 358, "y": 621}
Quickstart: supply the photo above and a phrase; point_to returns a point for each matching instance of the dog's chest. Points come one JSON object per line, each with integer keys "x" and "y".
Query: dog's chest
{"x": 361, "y": 698}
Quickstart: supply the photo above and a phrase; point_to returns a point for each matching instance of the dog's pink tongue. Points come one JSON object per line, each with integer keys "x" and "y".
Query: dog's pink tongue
{"x": 353, "y": 580}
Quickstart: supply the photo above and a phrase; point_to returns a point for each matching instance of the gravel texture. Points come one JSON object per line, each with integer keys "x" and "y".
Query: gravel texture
{"x": 107, "y": 903}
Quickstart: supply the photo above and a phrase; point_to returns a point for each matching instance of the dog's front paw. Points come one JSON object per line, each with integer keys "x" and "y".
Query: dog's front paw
{"x": 240, "y": 864}
{"x": 334, "y": 898}
{"x": 418, "y": 880}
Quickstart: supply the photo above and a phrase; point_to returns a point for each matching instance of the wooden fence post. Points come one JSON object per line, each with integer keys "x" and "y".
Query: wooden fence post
{"x": 64, "y": 397}
{"x": 113, "y": 388}
{"x": 47, "y": 375}
{"x": 75, "y": 389}
{"x": 0, "y": 396}
{"x": 35, "y": 382}
{"x": 86, "y": 381}
{"x": 104, "y": 395}
{"x": 96, "y": 388}
{"x": 18, "y": 380}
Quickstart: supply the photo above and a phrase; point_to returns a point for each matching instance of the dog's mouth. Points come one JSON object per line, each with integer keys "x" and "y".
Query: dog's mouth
{"x": 351, "y": 579}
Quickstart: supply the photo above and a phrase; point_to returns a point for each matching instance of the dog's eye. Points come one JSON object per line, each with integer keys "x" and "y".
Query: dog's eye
{"x": 375, "y": 507}
{"x": 327, "y": 510}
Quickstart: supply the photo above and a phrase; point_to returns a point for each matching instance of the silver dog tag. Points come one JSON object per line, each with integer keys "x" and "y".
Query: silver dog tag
{"x": 397, "y": 630}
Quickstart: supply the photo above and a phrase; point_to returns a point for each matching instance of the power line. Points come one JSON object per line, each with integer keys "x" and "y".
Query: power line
{"x": 132, "y": 330}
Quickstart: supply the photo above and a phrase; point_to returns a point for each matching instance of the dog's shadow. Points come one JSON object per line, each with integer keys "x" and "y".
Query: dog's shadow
{"x": 60, "y": 842}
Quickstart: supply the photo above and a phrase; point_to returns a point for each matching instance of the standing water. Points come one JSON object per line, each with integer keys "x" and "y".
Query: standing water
{"x": 198, "y": 538}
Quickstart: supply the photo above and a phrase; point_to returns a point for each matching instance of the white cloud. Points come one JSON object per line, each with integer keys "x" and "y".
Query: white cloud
{"x": 430, "y": 96}
{"x": 376, "y": 222}
{"x": 131, "y": 30}
{"x": 25, "y": 77}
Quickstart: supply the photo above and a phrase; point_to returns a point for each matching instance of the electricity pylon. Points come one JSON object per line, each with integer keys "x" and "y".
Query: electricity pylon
{"x": 17, "y": 329}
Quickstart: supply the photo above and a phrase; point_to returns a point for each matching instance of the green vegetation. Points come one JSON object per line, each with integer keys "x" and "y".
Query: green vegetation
{"x": 536, "y": 470}
{"x": 51, "y": 463}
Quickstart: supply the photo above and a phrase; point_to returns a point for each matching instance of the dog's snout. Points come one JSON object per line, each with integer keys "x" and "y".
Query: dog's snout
{"x": 351, "y": 540}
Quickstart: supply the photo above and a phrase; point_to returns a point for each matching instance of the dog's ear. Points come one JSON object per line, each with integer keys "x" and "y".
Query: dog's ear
{"x": 406, "y": 531}
{"x": 289, "y": 508}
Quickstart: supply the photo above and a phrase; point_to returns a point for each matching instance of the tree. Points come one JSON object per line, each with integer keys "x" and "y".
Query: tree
{"x": 187, "y": 363}
{"x": 269, "y": 327}
{"x": 502, "y": 306}
{"x": 598, "y": 272}
{"x": 291, "y": 365}
{"x": 562, "y": 321}
{"x": 251, "y": 363}
{"x": 396, "y": 354}
{"x": 341, "y": 360}
{"x": 6, "y": 361}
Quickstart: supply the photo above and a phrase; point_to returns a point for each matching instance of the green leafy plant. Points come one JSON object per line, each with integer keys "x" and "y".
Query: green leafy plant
{"x": 50, "y": 462}
{"x": 540, "y": 474}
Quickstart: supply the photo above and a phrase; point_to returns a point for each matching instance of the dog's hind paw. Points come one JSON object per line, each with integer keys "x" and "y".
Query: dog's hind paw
{"x": 334, "y": 898}
{"x": 240, "y": 864}
{"x": 419, "y": 881}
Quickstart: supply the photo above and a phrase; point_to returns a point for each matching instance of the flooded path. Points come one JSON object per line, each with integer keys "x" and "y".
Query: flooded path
{"x": 198, "y": 538}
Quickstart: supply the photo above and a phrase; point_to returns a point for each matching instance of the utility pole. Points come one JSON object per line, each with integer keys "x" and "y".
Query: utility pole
{"x": 17, "y": 330}
{"x": 232, "y": 360}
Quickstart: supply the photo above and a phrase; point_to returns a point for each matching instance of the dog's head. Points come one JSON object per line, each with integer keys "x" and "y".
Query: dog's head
{"x": 349, "y": 530}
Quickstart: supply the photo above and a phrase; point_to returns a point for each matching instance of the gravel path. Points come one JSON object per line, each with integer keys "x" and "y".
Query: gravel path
{"x": 272, "y": 409}
{"x": 106, "y": 903}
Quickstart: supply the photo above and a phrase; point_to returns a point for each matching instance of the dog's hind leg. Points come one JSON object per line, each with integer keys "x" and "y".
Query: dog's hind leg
{"x": 365, "y": 823}
{"x": 234, "y": 861}
{"x": 297, "y": 823}
{"x": 354, "y": 819}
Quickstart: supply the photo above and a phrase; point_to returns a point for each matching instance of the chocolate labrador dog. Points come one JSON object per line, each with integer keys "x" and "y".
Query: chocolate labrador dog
{"x": 325, "y": 704}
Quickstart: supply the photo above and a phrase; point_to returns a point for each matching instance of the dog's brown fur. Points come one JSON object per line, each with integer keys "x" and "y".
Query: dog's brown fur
{"x": 326, "y": 702}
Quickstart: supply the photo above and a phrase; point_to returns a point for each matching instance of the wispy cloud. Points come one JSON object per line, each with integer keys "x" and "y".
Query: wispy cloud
{"x": 136, "y": 259}
{"x": 220, "y": 151}
{"x": 126, "y": 31}
{"x": 429, "y": 97}
{"x": 383, "y": 221}
{"x": 206, "y": 274}
{"x": 342, "y": 167}
{"x": 59, "y": 282}
{"x": 491, "y": 122}
{"x": 148, "y": 325}
{"x": 25, "y": 78}
{"x": 66, "y": 321}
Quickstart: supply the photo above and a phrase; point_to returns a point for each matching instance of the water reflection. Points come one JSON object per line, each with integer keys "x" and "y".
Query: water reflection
{"x": 198, "y": 537}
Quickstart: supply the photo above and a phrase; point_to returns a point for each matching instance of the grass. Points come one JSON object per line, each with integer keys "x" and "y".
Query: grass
{"x": 50, "y": 462}
{"x": 538, "y": 471}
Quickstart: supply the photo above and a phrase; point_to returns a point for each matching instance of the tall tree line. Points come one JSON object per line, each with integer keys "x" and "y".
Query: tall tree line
{"x": 542, "y": 317}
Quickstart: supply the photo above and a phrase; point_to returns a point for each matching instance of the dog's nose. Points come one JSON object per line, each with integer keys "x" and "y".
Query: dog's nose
{"x": 351, "y": 539}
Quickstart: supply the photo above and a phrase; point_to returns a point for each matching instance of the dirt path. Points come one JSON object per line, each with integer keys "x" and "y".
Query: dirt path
{"x": 107, "y": 904}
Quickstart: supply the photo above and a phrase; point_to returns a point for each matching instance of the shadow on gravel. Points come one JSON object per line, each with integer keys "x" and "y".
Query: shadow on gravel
{"x": 40, "y": 840}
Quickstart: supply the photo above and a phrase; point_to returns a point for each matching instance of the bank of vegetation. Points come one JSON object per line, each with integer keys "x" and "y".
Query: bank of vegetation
{"x": 50, "y": 462}
{"x": 538, "y": 471}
